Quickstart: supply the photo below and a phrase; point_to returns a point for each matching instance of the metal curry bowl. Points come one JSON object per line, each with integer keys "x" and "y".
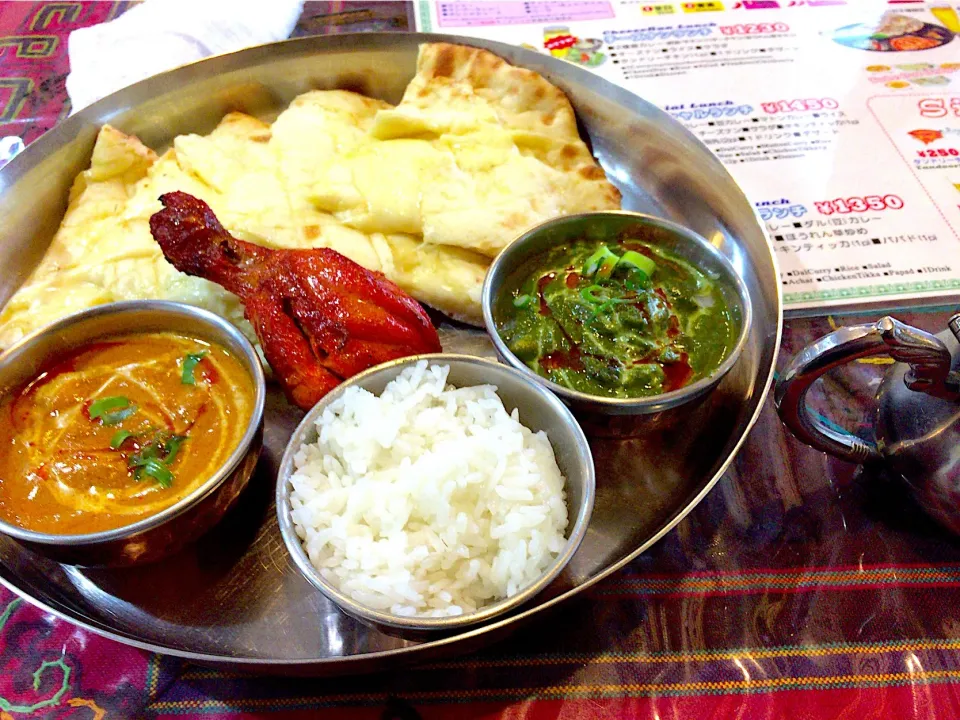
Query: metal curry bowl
{"x": 611, "y": 226}
{"x": 539, "y": 410}
{"x": 164, "y": 533}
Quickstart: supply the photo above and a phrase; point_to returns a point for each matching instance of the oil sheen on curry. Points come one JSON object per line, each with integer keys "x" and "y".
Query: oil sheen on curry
{"x": 118, "y": 431}
{"x": 626, "y": 320}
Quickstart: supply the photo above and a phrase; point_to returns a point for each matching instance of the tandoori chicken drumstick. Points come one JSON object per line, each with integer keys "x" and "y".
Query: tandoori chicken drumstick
{"x": 320, "y": 317}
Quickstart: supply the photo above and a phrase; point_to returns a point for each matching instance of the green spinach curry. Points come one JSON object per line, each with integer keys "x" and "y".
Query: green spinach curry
{"x": 626, "y": 320}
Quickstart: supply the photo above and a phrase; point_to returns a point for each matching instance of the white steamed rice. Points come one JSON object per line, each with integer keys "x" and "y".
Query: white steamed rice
{"x": 428, "y": 500}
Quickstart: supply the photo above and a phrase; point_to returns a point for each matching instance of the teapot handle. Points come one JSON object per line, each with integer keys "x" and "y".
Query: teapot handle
{"x": 929, "y": 372}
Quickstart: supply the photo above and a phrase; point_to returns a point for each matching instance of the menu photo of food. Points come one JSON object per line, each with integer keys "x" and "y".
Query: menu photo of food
{"x": 900, "y": 33}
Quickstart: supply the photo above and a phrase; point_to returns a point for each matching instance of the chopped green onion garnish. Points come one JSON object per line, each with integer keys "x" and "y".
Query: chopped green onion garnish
{"x": 595, "y": 261}
{"x": 587, "y": 294}
{"x": 111, "y": 410}
{"x": 636, "y": 280}
{"x": 155, "y": 469}
{"x": 104, "y": 405}
{"x": 633, "y": 259}
{"x": 154, "y": 456}
{"x": 146, "y": 454}
{"x": 189, "y": 365}
{"x": 112, "y": 418}
{"x": 607, "y": 266}
{"x": 171, "y": 446}
{"x": 604, "y": 307}
{"x": 521, "y": 301}
{"x": 119, "y": 438}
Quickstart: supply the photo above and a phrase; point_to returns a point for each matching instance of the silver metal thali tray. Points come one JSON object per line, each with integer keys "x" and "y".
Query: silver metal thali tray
{"x": 235, "y": 598}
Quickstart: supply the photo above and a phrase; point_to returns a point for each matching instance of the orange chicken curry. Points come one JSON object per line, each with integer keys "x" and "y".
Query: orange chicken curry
{"x": 119, "y": 430}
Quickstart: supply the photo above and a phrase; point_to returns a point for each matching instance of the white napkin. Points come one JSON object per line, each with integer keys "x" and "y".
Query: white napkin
{"x": 162, "y": 34}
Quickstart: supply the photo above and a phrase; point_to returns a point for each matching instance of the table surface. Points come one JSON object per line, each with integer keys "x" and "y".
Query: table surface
{"x": 800, "y": 585}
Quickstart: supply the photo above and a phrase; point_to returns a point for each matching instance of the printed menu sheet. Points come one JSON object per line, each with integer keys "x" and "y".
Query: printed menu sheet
{"x": 841, "y": 121}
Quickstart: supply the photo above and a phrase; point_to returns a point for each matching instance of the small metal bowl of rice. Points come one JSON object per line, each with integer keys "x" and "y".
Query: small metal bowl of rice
{"x": 434, "y": 493}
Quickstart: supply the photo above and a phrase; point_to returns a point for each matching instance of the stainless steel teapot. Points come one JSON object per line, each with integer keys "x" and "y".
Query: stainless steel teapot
{"x": 918, "y": 406}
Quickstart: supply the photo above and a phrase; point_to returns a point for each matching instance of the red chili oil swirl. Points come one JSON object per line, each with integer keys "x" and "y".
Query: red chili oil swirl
{"x": 650, "y": 357}
{"x": 562, "y": 360}
{"x": 559, "y": 359}
{"x": 663, "y": 296}
{"x": 541, "y": 284}
{"x": 676, "y": 374}
{"x": 673, "y": 326}
{"x": 208, "y": 372}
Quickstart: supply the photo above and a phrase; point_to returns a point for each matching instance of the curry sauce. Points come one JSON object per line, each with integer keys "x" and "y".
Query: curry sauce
{"x": 632, "y": 321}
{"x": 119, "y": 430}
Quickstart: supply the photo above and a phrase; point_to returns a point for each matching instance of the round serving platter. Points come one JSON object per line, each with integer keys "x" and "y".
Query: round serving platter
{"x": 235, "y": 598}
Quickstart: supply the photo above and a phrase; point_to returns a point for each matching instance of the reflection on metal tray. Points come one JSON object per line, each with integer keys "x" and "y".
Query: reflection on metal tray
{"x": 235, "y": 598}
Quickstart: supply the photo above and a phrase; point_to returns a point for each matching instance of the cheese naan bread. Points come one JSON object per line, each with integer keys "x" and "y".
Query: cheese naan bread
{"x": 306, "y": 135}
{"x": 104, "y": 252}
{"x": 425, "y": 192}
{"x": 478, "y": 151}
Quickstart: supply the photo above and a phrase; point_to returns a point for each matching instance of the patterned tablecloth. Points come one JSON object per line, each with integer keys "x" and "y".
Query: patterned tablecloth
{"x": 801, "y": 586}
